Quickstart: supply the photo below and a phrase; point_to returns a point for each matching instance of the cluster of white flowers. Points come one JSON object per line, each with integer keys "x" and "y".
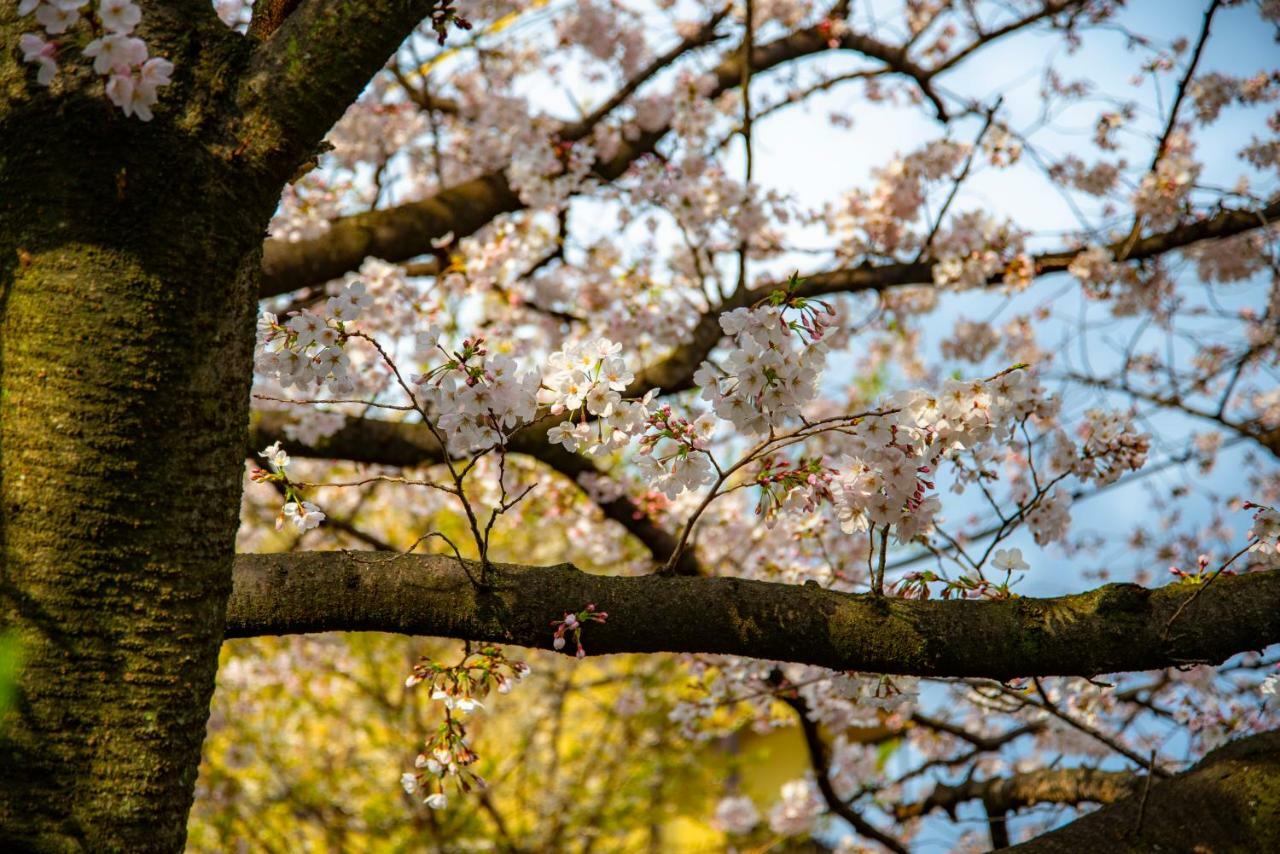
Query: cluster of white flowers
{"x": 798, "y": 808}
{"x": 673, "y": 454}
{"x": 303, "y": 514}
{"x": 877, "y": 221}
{"x": 1162, "y": 193}
{"x": 1001, "y": 147}
{"x": 772, "y": 370}
{"x": 736, "y": 814}
{"x": 1111, "y": 446}
{"x": 480, "y": 397}
{"x": 132, "y": 77}
{"x": 883, "y": 481}
{"x": 1096, "y": 269}
{"x": 442, "y": 763}
{"x": 970, "y": 342}
{"x": 587, "y": 380}
{"x": 1096, "y": 180}
{"x": 972, "y": 250}
{"x": 309, "y": 347}
{"x": 1266, "y": 535}
{"x": 1050, "y": 519}
{"x": 838, "y": 701}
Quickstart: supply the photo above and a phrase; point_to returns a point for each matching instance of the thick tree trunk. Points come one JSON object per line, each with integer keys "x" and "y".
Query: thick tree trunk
{"x": 128, "y": 266}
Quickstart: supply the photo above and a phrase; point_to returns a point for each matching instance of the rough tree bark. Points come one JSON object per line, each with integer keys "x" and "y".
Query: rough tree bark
{"x": 129, "y": 263}
{"x": 126, "y": 318}
{"x": 1228, "y": 802}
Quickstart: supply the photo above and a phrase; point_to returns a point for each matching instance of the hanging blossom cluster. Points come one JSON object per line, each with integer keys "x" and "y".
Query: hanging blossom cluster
{"x": 773, "y": 369}
{"x": 975, "y": 248}
{"x": 447, "y": 755}
{"x": 1112, "y": 446}
{"x": 674, "y": 452}
{"x": 132, "y": 77}
{"x": 1097, "y": 270}
{"x": 307, "y": 350}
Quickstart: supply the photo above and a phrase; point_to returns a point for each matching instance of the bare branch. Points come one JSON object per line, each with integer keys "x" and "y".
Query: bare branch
{"x": 822, "y": 774}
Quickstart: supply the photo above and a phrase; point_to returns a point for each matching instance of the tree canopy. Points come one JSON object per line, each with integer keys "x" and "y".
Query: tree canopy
{"x": 776, "y": 425}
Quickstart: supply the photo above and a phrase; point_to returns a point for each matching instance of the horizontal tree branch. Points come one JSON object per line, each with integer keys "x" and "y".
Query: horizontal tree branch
{"x": 405, "y": 231}
{"x": 675, "y": 372}
{"x": 1118, "y": 627}
{"x": 1229, "y": 801}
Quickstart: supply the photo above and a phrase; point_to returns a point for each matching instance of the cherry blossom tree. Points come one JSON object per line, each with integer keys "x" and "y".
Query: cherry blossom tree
{"x": 525, "y": 269}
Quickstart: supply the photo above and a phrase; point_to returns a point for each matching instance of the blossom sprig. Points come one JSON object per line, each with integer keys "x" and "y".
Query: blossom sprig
{"x": 132, "y": 78}
{"x": 584, "y": 383}
{"x": 442, "y": 16}
{"x": 462, "y": 686}
{"x": 447, "y": 755}
{"x": 815, "y": 315}
{"x": 303, "y": 514}
{"x": 572, "y": 625}
{"x": 446, "y": 758}
{"x": 1265, "y": 534}
{"x": 915, "y": 585}
{"x": 772, "y": 371}
{"x": 1202, "y": 564}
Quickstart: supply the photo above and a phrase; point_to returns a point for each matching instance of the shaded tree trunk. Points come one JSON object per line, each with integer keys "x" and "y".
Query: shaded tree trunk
{"x": 128, "y": 273}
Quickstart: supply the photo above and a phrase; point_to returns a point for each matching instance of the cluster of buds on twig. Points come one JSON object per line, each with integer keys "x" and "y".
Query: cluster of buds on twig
{"x": 459, "y": 360}
{"x": 815, "y": 314}
{"x": 572, "y": 625}
{"x": 447, "y": 757}
{"x": 915, "y": 585}
{"x": 303, "y": 514}
{"x": 460, "y": 688}
{"x": 1202, "y": 564}
{"x": 784, "y": 485}
{"x": 444, "y": 15}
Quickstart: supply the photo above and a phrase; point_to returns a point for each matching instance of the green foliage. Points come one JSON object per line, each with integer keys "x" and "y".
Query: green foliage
{"x": 10, "y": 668}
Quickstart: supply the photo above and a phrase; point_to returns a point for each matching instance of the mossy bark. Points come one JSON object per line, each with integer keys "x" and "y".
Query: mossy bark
{"x": 130, "y": 258}
{"x": 1119, "y": 627}
{"x": 128, "y": 274}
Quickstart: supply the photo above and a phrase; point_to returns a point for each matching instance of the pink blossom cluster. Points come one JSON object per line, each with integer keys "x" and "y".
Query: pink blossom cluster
{"x": 773, "y": 368}
{"x": 132, "y": 77}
